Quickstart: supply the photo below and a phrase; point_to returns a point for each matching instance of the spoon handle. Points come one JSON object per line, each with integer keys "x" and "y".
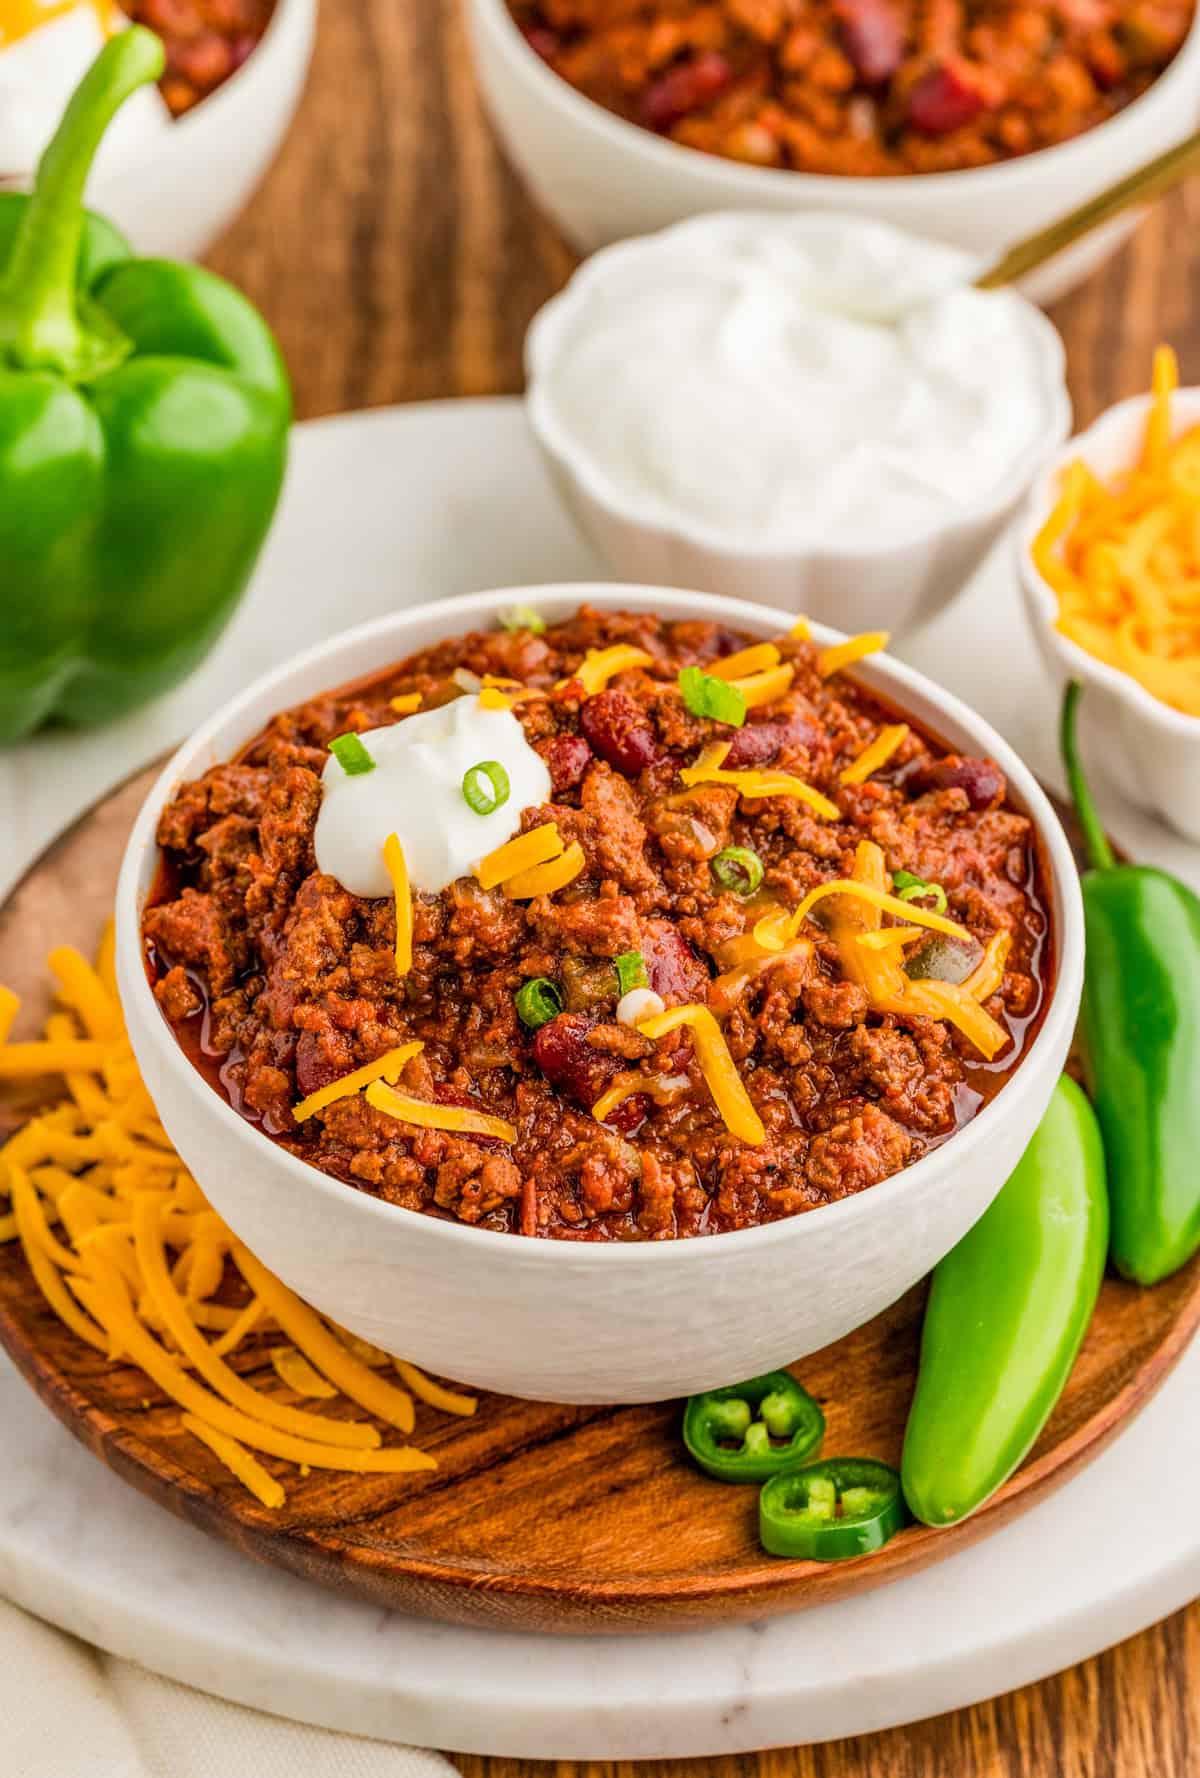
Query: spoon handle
{"x": 1139, "y": 187}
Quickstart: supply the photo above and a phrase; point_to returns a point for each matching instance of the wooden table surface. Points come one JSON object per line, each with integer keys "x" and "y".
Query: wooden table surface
{"x": 399, "y": 259}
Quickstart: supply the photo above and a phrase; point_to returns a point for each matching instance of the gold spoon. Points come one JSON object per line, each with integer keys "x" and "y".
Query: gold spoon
{"x": 1140, "y": 187}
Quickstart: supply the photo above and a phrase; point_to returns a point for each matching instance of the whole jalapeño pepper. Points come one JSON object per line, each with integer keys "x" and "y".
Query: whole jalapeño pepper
{"x": 1140, "y": 1036}
{"x": 144, "y": 417}
{"x": 847, "y": 1506}
{"x": 751, "y": 1431}
{"x": 1007, "y": 1312}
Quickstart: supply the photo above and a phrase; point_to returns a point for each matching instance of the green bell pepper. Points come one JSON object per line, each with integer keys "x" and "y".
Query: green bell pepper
{"x": 1140, "y": 1037}
{"x": 831, "y": 1511}
{"x": 751, "y": 1431}
{"x": 1007, "y": 1312}
{"x": 144, "y": 417}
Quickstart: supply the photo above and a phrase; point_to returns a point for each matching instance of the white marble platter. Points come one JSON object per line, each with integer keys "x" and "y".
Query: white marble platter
{"x": 397, "y": 506}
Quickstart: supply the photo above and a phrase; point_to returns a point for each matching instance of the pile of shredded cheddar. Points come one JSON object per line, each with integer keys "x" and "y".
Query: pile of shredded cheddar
{"x": 129, "y": 1254}
{"x": 1124, "y": 559}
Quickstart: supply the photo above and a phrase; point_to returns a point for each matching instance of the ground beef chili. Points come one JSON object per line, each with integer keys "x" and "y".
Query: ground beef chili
{"x": 206, "y": 41}
{"x": 278, "y": 981}
{"x": 862, "y": 87}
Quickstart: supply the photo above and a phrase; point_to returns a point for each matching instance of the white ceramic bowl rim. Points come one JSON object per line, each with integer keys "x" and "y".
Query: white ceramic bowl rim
{"x": 453, "y": 616}
{"x": 601, "y": 122}
{"x": 542, "y": 345}
{"x": 1083, "y": 665}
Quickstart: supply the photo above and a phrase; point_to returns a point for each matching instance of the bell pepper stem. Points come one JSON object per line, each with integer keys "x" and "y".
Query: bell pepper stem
{"x": 1100, "y": 853}
{"x": 41, "y": 327}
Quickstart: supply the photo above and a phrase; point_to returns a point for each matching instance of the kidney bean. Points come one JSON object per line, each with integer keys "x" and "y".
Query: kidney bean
{"x": 562, "y": 1052}
{"x": 686, "y": 87}
{"x": 758, "y": 742}
{"x": 982, "y": 779}
{"x": 321, "y": 1057}
{"x": 618, "y": 729}
{"x": 542, "y": 41}
{"x": 943, "y": 100}
{"x": 873, "y": 38}
{"x": 205, "y": 62}
{"x": 673, "y": 968}
{"x": 567, "y": 758}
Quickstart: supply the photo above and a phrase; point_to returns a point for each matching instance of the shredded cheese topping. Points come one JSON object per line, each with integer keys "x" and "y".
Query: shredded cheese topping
{"x": 386, "y": 1067}
{"x": 887, "y": 936}
{"x": 751, "y": 784}
{"x": 459, "y": 1118}
{"x": 544, "y": 879}
{"x": 988, "y": 977}
{"x": 953, "y": 1003}
{"x": 881, "y": 899}
{"x": 717, "y": 1066}
{"x": 100, "y": 1203}
{"x": 855, "y": 648}
{"x": 397, "y": 870}
{"x": 406, "y": 703}
{"x": 1124, "y": 558}
{"x": 600, "y": 665}
{"x": 520, "y": 854}
{"x": 766, "y": 687}
{"x": 875, "y": 755}
{"x": 759, "y": 658}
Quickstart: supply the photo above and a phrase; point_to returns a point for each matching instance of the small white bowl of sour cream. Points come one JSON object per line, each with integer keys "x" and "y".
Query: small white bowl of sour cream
{"x": 811, "y": 411}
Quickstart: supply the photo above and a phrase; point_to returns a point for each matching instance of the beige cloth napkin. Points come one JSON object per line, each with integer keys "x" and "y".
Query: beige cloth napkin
{"x": 66, "y": 1711}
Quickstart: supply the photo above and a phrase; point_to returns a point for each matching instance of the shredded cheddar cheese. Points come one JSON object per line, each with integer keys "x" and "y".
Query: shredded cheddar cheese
{"x": 129, "y": 1255}
{"x": 801, "y": 630}
{"x": 406, "y": 703}
{"x": 544, "y": 879}
{"x": 717, "y": 1066}
{"x": 766, "y": 687}
{"x": 397, "y": 870}
{"x": 876, "y": 755}
{"x": 459, "y": 1118}
{"x": 10, "y": 1006}
{"x": 520, "y": 854}
{"x": 757, "y": 659}
{"x": 955, "y": 1005}
{"x": 877, "y": 898}
{"x": 1123, "y": 558}
{"x": 709, "y": 769}
{"x": 888, "y": 936}
{"x": 855, "y": 648}
{"x": 386, "y": 1067}
{"x": 988, "y": 977}
{"x": 600, "y": 665}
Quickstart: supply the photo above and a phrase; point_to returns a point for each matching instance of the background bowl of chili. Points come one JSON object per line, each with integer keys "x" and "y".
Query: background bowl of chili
{"x": 602, "y": 177}
{"x": 582, "y": 1321}
{"x": 175, "y": 204}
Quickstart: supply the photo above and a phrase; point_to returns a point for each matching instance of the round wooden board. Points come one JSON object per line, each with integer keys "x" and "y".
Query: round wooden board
{"x": 539, "y": 1517}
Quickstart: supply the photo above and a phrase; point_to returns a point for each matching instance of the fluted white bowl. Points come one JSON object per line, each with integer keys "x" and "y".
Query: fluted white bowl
{"x": 573, "y": 1321}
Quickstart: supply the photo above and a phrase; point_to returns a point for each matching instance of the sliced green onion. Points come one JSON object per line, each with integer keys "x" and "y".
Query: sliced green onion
{"x": 523, "y": 617}
{"x": 911, "y": 888}
{"x": 716, "y": 699}
{"x": 351, "y": 755}
{"x": 538, "y": 1002}
{"x": 485, "y": 787}
{"x": 738, "y": 869}
{"x": 631, "y": 971}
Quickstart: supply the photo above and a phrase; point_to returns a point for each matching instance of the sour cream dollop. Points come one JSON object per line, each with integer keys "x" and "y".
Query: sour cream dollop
{"x": 787, "y": 380}
{"x": 45, "y": 50}
{"x": 416, "y": 792}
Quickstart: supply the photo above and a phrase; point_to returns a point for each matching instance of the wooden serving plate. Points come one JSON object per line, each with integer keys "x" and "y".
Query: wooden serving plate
{"x": 539, "y": 1517}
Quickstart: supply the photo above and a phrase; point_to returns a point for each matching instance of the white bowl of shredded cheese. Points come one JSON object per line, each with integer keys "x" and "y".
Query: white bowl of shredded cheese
{"x": 818, "y": 412}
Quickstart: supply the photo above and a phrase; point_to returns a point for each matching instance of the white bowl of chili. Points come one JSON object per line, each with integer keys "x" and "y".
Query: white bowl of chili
{"x": 203, "y": 169}
{"x": 1149, "y": 748}
{"x": 572, "y": 1320}
{"x": 602, "y": 178}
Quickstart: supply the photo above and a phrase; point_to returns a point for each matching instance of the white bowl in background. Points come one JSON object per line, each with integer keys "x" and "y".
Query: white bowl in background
{"x": 576, "y": 1321}
{"x": 864, "y": 581}
{"x": 601, "y": 178}
{"x": 175, "y": 202}
{"x": 1151, "y": 751}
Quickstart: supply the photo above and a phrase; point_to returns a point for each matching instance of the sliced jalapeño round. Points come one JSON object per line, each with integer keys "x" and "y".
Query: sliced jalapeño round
{"x": 751, "y": 1431}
